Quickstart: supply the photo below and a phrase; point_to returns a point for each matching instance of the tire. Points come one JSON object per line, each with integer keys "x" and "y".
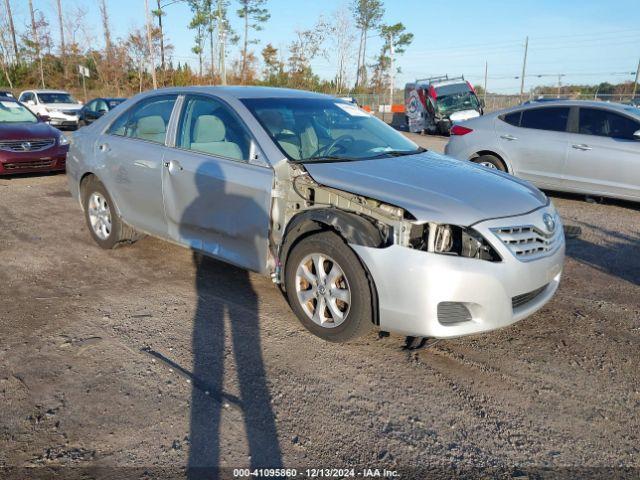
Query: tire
{"x": 105, "y": 226}
{"x": 490, "y": 161}
{"x": 347, "y": 297}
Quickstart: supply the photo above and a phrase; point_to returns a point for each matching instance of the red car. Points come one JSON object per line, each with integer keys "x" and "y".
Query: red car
{"x": 27, "y": 142}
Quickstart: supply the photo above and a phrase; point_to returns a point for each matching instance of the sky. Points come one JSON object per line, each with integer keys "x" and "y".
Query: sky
{"x": 586, "y": 41}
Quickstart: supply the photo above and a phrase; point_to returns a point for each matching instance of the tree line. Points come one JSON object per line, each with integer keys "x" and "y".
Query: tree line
{"x": 47, "y": 51}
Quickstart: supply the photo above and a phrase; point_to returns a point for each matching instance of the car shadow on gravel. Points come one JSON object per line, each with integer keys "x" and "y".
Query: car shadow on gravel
{"x": 619, "y": 256}
{"x": 226, "y": 300}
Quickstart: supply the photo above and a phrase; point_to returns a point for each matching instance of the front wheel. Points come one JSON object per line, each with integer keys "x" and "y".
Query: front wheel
{"x": 328, "y": 289}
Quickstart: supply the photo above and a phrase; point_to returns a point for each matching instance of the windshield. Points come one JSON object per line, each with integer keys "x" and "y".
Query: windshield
{"x": 312, "y": 129}
{"x": 456, "y": 102}
{"x": 56, "y": 98}
{"x": 13, "y": 112}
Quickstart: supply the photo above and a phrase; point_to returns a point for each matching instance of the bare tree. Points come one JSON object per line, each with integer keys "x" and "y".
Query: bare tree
{"x": 254, "y": 14}
{"x": 150, "y": 45}
{"x": 36, "y": 42}
{"x": 342, "y": 41}
{"x": 12, "y": 29}
{"x": 104, "y": 13}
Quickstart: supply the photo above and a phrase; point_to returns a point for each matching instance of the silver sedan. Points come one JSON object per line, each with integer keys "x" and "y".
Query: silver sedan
{"x": 574, "y": 146}
{"x": 358, "y": 225}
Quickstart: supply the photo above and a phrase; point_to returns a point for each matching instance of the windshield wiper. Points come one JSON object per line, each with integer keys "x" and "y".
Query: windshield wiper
{"x": 397, "y": 153}
{"x": 328, "y": 158}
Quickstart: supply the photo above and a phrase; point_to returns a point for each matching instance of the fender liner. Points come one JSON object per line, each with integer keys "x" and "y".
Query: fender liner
{"x": 353, "y": 228}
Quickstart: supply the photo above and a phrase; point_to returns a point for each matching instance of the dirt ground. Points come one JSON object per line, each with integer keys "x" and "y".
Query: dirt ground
{"x": 137, "y": 362}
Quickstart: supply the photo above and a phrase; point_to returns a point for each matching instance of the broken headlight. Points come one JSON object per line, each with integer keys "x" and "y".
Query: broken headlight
{"x": 452, "y": 240}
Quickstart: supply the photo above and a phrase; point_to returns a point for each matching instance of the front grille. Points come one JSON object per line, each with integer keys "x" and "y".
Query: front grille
{"x": 28, "y": 165}
{"x": 528, "y": 242}
{"x": 70, "y": 112}
{"x": 34, "y": 145}
{"x": 520, "y": 300}
{"x": 453, "y": 312}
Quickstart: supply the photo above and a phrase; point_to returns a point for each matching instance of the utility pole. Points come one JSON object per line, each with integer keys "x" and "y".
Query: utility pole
{"x": 13, "y": 31}
{"x": 524, "y": 67}
{"x": 150, "y": 45}
{"x": 560, "y": 75}
{"x": 392, "y": 73}
{"x": 486, "y": 70}
{"x": 36, "y": 40}
{"x": 635, "y": 82}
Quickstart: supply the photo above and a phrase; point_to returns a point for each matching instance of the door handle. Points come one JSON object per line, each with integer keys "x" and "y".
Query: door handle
{"x": 104, "y": 147}
{"x": 508, "y": 137}
{"x": 581, "y": 146}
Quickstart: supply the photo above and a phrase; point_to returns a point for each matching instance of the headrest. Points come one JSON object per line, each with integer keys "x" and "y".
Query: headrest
{"x": 209, "y": 128}
{"x": 273, "y": 120}
{"x": 151, "y": 125}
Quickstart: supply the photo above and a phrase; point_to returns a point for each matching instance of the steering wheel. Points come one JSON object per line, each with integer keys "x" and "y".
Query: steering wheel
{"x": 328, "y": 148}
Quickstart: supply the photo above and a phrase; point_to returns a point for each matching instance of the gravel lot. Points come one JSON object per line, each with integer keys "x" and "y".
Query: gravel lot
{"x": 149, "y": 357}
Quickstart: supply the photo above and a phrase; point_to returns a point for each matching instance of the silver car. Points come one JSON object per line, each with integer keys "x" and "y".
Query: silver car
{"x": 573, "y": 146}
{"x": 359, "y": 225}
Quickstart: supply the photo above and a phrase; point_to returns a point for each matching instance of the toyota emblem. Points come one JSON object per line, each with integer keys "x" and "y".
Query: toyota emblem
{"x": 549, "y": 222}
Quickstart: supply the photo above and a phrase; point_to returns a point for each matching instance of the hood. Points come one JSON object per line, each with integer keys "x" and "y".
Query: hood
{"x": 62, "y": 106}
{"x": 463, "y": 115}
{"x": 433, "y": 187}
{"x": 27, "y": 131}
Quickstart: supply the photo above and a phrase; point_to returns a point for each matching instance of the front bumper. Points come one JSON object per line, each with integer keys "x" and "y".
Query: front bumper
{"x": 59, "y": 119}
{"x": 52, "y": 159}
{"x": 411, "y": 284}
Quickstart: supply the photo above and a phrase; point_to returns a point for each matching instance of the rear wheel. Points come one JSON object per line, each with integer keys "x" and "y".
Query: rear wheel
{"x": 490, "y": 161}
{"x": 328, "y": 289}
{"x": 105, "y": 226}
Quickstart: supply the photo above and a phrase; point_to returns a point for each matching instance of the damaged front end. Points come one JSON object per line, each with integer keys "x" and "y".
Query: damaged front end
{"x": 302, "y": 205}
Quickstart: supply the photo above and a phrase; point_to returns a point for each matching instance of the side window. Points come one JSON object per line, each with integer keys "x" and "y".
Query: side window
{"x": 594, "y": 121}
{"x": 91, "y": 107}
{"x": 146, "y": 120}
{"x": 512, "y": 118}
{"x": 100, "y": 106}
{"x": 549, "y": 118}
{"x": 208, "y": 126}
{"x": 25, "y": 97}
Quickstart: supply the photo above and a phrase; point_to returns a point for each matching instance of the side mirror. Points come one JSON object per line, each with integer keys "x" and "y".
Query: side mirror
{"x": 102, "y": 111}
{"x": 636, "y": 134}
{"x": 44, "y": 118}
{"x": 30, "y": 102}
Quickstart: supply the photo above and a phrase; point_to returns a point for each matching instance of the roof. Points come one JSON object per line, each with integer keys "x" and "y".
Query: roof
{"x": 35, "y": 90}
{"x": 241, "y": 92}
{"x": 629, "y": 109}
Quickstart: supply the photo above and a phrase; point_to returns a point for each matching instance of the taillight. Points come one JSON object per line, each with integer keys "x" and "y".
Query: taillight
{"x": 460, "y": 130}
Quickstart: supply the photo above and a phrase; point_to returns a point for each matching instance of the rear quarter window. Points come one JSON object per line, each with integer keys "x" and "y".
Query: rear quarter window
{"x": 512, "y": 118}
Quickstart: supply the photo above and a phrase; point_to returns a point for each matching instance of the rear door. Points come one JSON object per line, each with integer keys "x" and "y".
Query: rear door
{"x": 535, "y": 140}
{"x": 216, "y": 198}
{"x": 604, "y": 157}
{"x": 132, "y": 151}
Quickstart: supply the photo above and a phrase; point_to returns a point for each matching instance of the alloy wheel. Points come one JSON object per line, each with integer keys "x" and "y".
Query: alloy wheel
{"x": 323, "y": 290}
{"x": 99, "y": 215}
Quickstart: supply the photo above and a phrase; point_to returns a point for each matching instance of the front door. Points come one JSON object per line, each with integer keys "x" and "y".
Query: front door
{"x": 536, "y": 143}
{"x": 604, "y": 156}
{"x": 133, "y": 150}
{"x": 215, "y": 199}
